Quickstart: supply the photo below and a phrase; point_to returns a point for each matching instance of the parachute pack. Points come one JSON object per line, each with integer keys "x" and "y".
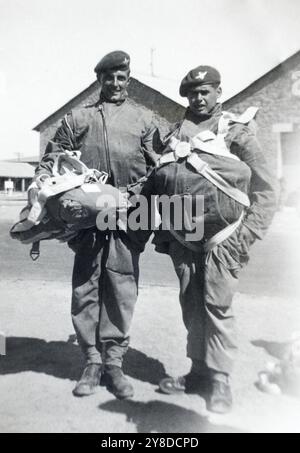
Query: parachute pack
{"x": 65, "y": 202}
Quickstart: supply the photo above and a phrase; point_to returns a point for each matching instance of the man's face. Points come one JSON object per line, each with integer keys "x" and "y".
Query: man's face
{"x": 203, "y": 98}
{"x": 114, "y": 84}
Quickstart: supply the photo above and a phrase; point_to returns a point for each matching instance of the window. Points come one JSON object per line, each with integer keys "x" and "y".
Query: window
{"x": 290, "y": 146}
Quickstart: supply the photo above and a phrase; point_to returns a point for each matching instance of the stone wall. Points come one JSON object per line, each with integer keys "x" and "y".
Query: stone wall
{"x": 277, "y": 94}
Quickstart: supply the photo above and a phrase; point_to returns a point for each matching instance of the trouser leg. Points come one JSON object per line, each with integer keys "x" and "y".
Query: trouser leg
{"x": 191, "y": 300}
{"x": 118, "y": 293}
{"x": 206, "y": 292}
{"x": 85, "y": 294}
{"x": 105, "y": 286}
{"x": 220, "y": 331}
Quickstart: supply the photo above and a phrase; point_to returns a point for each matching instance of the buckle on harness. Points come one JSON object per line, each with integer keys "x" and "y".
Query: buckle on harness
{"x": 35, "y": 251}
{"x": 182, "y": 149}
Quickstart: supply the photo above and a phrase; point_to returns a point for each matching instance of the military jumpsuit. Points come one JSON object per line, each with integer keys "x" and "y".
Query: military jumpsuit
{"x": 117, "y": 139}
{"x": 208, "y": 281}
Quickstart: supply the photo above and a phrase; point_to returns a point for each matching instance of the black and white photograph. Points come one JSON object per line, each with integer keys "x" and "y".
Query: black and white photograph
{"x": 149, "y": 219}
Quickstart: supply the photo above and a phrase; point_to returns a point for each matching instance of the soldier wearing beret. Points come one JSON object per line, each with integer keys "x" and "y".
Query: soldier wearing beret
{"x": 215, "y": 154}
{"x": 114, "y": 136}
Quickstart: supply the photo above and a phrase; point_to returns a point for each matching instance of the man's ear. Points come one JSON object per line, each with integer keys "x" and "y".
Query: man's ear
{"x": 99, "y": 80}
{"x": 219, "y": 92}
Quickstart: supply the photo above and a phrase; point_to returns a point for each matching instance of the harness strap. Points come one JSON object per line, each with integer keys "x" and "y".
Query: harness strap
{"x": 222, "y": 235}
{"x": 55, "y": 186}
{"x": 166, "y": 159}
{"x": 60, "y": 183}
{"x": 35, "y": 251}
{"x": 72, "y": 162}
{"x": 213, "y": 241}
{"x": 207, "y": 172}
{"x": 202, "y": 141}
{"x": 213, "y": 144}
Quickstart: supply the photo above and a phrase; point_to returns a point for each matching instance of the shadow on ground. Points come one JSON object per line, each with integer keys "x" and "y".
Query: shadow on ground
{"x": 275, "y": 349}
{"x": 64, "y": 360}
{"x": 161, "y": 417}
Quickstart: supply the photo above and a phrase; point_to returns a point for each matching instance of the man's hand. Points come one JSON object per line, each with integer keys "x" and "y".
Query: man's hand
{"x": 246, "y": 238}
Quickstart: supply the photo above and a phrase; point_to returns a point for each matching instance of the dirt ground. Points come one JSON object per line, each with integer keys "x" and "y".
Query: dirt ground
{"x": 42, "y": 362}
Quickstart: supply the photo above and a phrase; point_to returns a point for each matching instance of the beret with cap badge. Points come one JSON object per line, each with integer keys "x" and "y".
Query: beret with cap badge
{"x": 202, "y": 75}
{"x": 113, "y": 60}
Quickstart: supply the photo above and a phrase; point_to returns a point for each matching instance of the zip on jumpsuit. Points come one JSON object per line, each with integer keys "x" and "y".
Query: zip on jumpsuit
{"x": 118, "y": 139}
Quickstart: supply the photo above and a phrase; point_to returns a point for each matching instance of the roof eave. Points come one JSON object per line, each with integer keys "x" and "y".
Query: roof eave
{"x": 63, "y": 108}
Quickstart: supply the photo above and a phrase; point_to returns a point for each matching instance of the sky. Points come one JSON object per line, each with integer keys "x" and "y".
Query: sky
{"x": 48, "y": 49}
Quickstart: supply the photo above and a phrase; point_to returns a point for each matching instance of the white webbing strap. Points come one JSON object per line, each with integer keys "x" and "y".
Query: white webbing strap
{"x": 69, "y": 161}
{"x": 68, "y": 172}
{"x": 208, "y": 173}
{"x": 212, "y": 242}
{"x": 166, "y": 159}
{"x": 222, "y": 235}
{"x": 59, "y": 184}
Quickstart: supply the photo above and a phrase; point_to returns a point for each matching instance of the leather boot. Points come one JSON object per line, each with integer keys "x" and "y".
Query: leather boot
{"x": 89, "y": 381}
{"x": 116, "y": 382}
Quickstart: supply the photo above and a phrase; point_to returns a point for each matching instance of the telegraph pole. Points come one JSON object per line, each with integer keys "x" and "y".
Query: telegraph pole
{"x": 152, "y": 62}
{"x": 19, "y": 156}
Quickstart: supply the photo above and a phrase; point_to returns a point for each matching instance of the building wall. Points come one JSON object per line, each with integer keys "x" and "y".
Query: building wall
{"x": 277, "y": 95}
{"x": 164, "y": 109}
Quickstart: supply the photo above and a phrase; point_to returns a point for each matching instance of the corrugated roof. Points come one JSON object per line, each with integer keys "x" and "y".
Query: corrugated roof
{"x": 16, "y": 170}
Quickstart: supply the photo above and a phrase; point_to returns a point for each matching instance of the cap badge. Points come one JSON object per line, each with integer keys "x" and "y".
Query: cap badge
{"x": 201, "y": 75}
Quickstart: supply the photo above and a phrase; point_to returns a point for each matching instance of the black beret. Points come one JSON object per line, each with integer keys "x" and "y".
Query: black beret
{"x": 113, "y": 60}
{"x": 202, "y": 75}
